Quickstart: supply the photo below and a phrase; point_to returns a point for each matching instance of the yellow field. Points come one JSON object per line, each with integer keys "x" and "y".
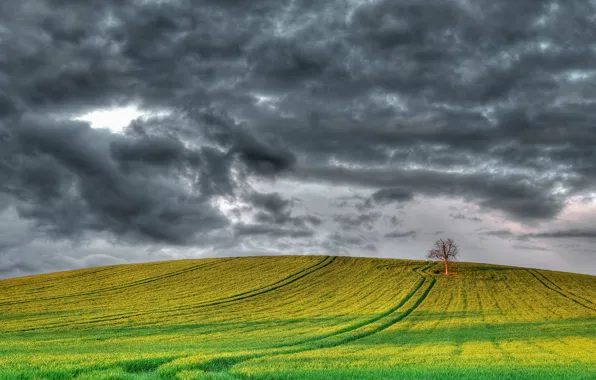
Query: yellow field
{"x": 298, "y": 317}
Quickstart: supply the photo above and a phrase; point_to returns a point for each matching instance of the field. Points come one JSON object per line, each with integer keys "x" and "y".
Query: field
{"x": 298, "y": 317}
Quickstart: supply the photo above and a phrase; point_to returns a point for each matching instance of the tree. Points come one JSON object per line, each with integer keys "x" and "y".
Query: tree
{"x": 445, "y": 250}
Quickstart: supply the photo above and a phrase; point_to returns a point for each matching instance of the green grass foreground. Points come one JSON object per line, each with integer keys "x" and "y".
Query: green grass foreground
{"x": 298, "y": 317}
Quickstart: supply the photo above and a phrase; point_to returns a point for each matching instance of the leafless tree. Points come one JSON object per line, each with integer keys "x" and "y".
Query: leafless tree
{"x": 445, "y": 251}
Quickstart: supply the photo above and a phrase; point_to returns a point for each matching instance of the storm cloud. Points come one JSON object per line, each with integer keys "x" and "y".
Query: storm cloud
{"x": 399, "y": 234}
{"x": 403, "y": 106}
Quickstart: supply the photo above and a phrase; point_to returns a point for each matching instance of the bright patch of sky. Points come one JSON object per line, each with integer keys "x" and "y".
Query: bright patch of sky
{"x": 117, "y": 118}
{"x": 391, "y": 100}
{"x": 266, "y": 101}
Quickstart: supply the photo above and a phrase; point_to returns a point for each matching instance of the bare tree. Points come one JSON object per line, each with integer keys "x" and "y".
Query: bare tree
{"x": 445, "y": 250}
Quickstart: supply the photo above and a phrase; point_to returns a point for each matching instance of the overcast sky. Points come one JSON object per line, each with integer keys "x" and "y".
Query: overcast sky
{"x": 135, "y": 131}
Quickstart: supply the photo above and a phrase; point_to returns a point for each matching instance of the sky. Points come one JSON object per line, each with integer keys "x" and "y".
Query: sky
{"x": 134, "y": 131}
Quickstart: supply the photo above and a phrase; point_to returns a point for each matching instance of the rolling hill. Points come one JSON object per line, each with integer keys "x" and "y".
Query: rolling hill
{"x": 298, "y": 317}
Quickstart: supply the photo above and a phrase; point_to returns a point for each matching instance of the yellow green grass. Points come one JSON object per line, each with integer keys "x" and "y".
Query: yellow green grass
{"x": 298, "y": 317}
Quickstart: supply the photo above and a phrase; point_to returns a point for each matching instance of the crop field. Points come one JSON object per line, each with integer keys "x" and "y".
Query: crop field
{"x": 298, "y": 317}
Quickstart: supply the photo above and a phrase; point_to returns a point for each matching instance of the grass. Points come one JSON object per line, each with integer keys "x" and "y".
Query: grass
{"x": 298, "y": 317}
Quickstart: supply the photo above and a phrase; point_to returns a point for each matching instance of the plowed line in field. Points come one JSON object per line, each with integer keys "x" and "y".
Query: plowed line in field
{"x": 277, "y": 285}
{"x": 244, "y": 295}
{"x": 369, "y": 321}
{"x": 327, "y": 260}
{"x": 560, "y": 291}
{"x": 54, "y": 281}
{"x": 298, "y": 297}
{"x": 282, "y": 280}
{"x": 119, "y": 287}
{"x": 226, "y": 363}
{"x": 548, "y": 280}
{"x": 292, "y": 299}
{"x": 395, "y": 319}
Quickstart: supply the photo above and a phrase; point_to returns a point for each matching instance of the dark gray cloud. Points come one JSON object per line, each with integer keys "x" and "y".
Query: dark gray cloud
{"x": 273, "y": 205}
{"x": 394, "y": 221}
{"x": 68, "y": 180}
{"x": 516, "y": 195}
{"x": 71, "y": 178}
{"x": 503, "y": 234}
{"x": 529, "y": 247}
{"x": 276, "y": 211}
{"x": 355, "y": 222}
{"x": 562, "y": 234}
{"x": 395, "y": 194}
{"x": 489, "y": 103}
{"x": 269, "y": 230}
{"x": 461, "y": 216}
{"x": 588, "y": 233}
{"x": 339, "y": 241}
{"x": 401, "y": 234}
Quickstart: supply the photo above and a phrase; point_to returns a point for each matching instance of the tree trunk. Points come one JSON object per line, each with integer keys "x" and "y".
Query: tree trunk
{"x": 446, "y": 267}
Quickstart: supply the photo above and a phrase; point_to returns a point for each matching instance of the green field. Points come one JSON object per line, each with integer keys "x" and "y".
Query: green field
{"x": 298, "y": 317}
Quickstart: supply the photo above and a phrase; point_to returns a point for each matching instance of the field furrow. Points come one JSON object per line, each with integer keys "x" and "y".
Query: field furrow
{"x": 169, "y": 312}
{"x": 117, "y": 287}
{"x": 416, "y": 295}
{"x": 482, "y": 316}
{"x": 570, "y": 296}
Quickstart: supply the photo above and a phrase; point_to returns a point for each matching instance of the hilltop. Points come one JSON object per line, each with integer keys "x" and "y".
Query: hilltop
{"x": 298, "y": 317}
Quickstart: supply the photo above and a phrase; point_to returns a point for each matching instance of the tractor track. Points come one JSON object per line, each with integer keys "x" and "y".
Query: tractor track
{"x": 369, "y": 321}
{"x": 119, "y": 287}
{"x": 50, "y": 283}
{"x": 326, "y": 261}
{"x": 548, "y": 280}
{"x": 559, "y": 290}
{"x": 345, "y": 335}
